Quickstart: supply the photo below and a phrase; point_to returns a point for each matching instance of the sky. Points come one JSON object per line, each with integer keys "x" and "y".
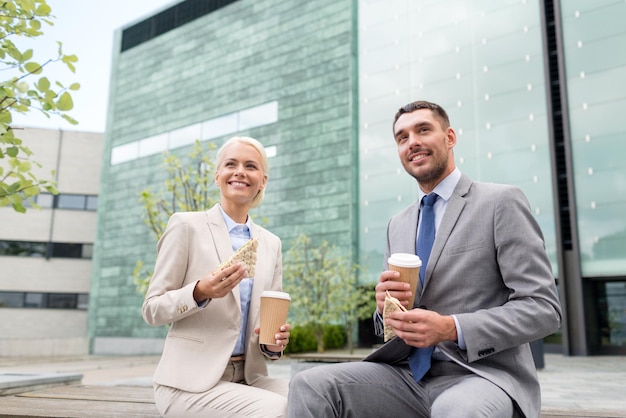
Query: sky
{"x": 85, "y": 28}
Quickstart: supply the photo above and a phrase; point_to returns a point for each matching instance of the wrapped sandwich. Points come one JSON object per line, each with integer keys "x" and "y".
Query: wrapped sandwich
{"x": 246, "y": 254}
{"x": 391, "y": 305}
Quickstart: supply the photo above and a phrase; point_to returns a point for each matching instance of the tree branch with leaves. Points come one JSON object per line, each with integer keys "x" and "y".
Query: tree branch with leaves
{"x": 190, "y": 186}
{"x": 323, "y": 287}
{"x": 26, "y": 90}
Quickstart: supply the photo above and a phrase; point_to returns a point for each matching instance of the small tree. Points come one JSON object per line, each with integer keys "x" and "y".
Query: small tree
{"x": 19, "y": 18}
{"x": 323, "y": 288}
{"x": 190, "y": 186}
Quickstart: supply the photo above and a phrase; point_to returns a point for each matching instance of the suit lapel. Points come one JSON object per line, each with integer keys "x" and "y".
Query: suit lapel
{"x": 221, "y": 240}
{"x": 450, "y": 217}
{"x": 407, "y": 241}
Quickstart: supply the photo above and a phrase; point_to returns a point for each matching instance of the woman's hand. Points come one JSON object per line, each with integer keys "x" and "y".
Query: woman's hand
{"x": 282, "y": 339}
{"x": 219, "y": 283}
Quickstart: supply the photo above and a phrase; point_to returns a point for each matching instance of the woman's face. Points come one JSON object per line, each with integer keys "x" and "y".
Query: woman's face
{"x": 240, "y": 175}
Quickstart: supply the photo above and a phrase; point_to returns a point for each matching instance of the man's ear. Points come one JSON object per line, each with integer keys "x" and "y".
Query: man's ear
{"x": 450, "y": 137}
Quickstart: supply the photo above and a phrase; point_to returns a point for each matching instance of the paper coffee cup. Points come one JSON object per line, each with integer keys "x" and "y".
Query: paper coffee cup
{"x": 408, "y": 265}
{"x": 274, "y": 307}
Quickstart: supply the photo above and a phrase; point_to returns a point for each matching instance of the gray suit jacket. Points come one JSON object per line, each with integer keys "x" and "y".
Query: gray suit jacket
{"x": 489, "y": 267}
{"x": 201, "y": 340}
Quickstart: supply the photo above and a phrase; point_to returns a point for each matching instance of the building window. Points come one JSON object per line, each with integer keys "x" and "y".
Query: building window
{"x": 70, "y": 201}
{"x": 92, "y": 203}
{"x": 252, "y": 117}
{"x": 45, "y": 200}
{"x": 61, "y": 301}
{"x": 34, "y": 300}
{"x": 170, "y": 18}
{"x": 67, "y": 250}
{"x": 67, "y": 201}
{"x": 11, "y": 300}
{"x": 45, "y": 249}
{"x": 37, "y": 300}
{"x": 87, "y": 251}
{"x": 23, "y": 249}
{"x": 82, "y": 301}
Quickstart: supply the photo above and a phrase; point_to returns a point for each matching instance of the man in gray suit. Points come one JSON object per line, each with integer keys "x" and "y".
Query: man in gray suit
{"x": 487, "y": 292}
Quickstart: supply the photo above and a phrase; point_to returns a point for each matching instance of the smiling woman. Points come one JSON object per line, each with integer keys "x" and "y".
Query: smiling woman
{"x": 214, "y": 311}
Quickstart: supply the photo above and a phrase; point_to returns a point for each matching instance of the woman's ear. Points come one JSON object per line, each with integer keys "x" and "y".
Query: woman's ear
{"x": 263, "y": 183}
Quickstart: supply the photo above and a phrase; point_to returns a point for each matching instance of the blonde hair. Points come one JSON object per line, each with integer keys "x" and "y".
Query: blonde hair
{"x": 264, "y": 162}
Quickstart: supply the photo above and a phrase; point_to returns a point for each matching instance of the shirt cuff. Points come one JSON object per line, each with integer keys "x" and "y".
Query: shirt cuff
{"x": 459, "y": 334}
{"x": 204, "y": 303}
{"x": 271, "y": 354}
{"x": 379, "y": 325}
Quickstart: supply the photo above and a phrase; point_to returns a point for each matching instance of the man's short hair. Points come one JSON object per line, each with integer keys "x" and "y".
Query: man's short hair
{"x": 439, "y": 112}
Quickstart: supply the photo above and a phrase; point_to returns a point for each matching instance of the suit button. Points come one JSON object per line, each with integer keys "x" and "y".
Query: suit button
{"x": 486, "y": 351}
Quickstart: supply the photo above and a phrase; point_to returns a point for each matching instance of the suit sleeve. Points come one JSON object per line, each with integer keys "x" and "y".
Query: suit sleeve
{"x": 532, "y": 309}
{"x": 169, "y": 298}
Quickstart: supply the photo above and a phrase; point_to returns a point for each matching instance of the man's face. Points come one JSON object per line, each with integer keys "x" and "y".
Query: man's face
{"x": 425, "y": 147}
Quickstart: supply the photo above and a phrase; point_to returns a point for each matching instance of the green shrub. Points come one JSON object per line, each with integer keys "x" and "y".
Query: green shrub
{"x": 303, "y": 340}
{"x": 334, "y": 336}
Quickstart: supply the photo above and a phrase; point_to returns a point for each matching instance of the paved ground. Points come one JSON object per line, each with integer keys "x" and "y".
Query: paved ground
{"x": 597, "y": 382}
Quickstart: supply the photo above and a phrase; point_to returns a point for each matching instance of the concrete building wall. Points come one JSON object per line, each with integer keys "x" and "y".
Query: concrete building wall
{"x": 44, "y": 331}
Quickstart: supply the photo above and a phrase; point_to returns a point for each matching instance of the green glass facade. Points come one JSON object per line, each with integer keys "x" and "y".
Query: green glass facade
{"x": 488, "y": 75}
{"x": 319, "y": 83}
{"x": 594, "y": 42}
{"x": 281, "y": 72}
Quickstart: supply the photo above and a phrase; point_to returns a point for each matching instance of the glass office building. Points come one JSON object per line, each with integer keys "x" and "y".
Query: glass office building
{"x": 531, "y": 87}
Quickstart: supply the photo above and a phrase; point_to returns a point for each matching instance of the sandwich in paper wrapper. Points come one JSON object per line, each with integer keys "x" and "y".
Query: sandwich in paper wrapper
{"x": 391, "y": 305}
{"x": 246, "y": 255}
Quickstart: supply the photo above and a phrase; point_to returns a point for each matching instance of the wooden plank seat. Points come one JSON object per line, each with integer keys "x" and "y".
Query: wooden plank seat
{"x": 81, "y": 401}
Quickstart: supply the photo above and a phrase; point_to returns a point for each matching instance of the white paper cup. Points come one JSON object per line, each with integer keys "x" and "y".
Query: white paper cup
{"x": 408, "y": 265}
{"x": 274, "y": 308}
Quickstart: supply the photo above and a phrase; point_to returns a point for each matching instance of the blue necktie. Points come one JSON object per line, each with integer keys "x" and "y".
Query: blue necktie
{"x": 419, "y": 361}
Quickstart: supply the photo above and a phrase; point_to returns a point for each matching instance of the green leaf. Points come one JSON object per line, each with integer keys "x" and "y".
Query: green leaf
{"x": 43, "y": 10}
{"x": 12, "y": 152}
{"x": 19, "y": 207}
{"x": 35, "y": 25}
{"x": 43, "y": 84}
{"x": 24, "y": 167}
{"x": 5, "y": 117}
{"x": 28, "y": 54}
{"x": 69, "y": 58}
{"x": 74, "y": 86}
{"x": 33, "y": 67}
{"x": 69, "y": 119}
{"x": 65, "y": 102}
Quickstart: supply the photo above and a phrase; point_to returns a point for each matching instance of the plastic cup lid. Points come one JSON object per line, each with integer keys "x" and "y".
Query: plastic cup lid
{"x": 275, "y": 294}
{"x": 404, "y": 260}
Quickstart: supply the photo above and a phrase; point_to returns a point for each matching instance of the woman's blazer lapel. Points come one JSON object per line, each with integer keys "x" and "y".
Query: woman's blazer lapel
{"x": 221, "y": 241}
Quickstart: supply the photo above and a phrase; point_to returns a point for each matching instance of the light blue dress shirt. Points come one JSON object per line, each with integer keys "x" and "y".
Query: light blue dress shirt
{"x": 239, "y": 235}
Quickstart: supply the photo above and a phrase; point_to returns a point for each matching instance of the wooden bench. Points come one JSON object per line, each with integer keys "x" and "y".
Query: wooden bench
{"x": 82, "y": 401}
{"x": 12, "y": 383}
{"x": 137, "y": 401}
